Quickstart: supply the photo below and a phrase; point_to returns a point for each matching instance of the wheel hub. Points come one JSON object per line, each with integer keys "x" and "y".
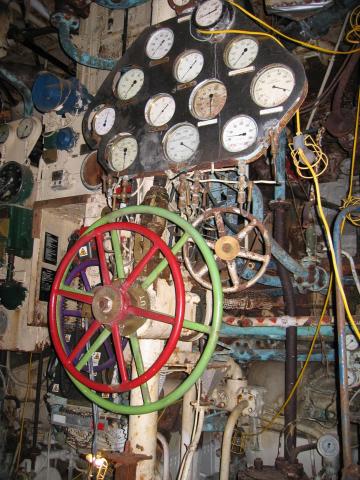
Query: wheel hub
{"x": 107, "y": 304}
{"x": 227, "y": 247}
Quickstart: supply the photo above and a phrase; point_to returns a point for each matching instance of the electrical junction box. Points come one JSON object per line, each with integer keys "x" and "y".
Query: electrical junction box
{"x": 16, "y": 230}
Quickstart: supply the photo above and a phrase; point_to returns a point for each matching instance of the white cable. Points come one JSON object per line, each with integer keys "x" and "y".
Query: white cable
{"x": 138, "y": 188}
{"x": 353, "y": 270}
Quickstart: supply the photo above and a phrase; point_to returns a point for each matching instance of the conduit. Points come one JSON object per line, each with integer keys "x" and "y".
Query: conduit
{"x": 166, "y": 453}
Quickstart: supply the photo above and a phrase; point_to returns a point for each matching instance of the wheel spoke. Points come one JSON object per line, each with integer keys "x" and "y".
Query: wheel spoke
{"x": 117, "y": 252}
{"x": 83, "y": 341}
{"x": 197, "y": 327}
{"x": 92, "y": 349}
{"x": 119, "y": 353}
{"x": 139, "y": 365}
{"x": 75, "y": 294}
{"x": 102, "y": 259}
{"x": 252, "y": 255}
{"x": 140, "y": 267}
{"x": 72, "y": 313}
{"x": 201, "y": 272}
{"x": 219, "y": 224}
{"x": 244, "y": 232}
{"x": 231, "y": 266}
{"x": 163, "y": 264}
{"x": 85, "y": 281}
{"x": 159, "y": 317}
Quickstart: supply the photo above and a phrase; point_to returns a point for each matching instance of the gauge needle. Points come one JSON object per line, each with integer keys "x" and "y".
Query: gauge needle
{"x": 105, "y": 121}
{"x": 125, "y": 151}
{"x": 184, "y": 145}
{"x": 157, "y": 48}
{"x": 162, "y": 111}
{"x": 210, "y": 100}
{"x": 188, "y": 70}
{"x": 131, "y": 86}
{"x": 208, "y": 13}
{"x": 239, "y": 134}
{"x": 280, "y": 88}
{"x": 242, "y": 53}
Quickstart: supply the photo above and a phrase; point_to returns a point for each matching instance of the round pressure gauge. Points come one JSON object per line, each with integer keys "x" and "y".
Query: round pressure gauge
{"x": 181, "y": 5}
{"x": 209, "y": 13}
{"x": 239, "y": 133}
{"x": 188, "y": 65}
{"x": 122, "y": 152}
{"x": 103, "y": 120}
{"x": 207, "y": 99}
{"x": 351, "y": 342}
{"x": 240, "y": 52}
{"x": 25, "y": 128}
{"x": 4, "y": 132}
{"x": 328, "y": 446}
{"x": 159, "y": 43}
{"x": 181, "y": 142}
{"x": 159, "y": 109}
{"x": 272, "y": 86}
{"x": 130, "y": 84}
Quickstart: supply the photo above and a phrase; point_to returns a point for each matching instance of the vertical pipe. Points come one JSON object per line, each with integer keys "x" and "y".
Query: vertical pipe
{"x": 37, "y": 410}
{"x": 187, "y": 419}
{"x": 341, "y": 334}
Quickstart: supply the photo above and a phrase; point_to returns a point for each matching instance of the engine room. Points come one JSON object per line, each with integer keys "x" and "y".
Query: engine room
{"x": 179, "y": 241}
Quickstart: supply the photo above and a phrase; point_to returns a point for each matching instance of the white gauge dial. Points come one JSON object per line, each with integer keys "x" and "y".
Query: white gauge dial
{"x": 181, "y": 142}
{"x": 4, "y": 132}
{"x": 351, "y": 342}
{"x": 130, "y": 84}
{"x": 208, "y": 99}
{"x": 188, "y": 65}
{"x": 239, "y": 133}
{"x": 241, "y": 52}
{"x": 25, "y": 128}
{"x": 122, "y": 152}
{"x": 159, "y": 109}
{"x": 209, "y": 13}
{"x": 272, "y": 86}
{"x": 104, "y": 120}
{"x": 328, "y": 446}
{"x": 159, "y": 43}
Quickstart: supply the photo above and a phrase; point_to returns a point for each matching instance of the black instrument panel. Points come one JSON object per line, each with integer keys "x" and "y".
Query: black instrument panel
{"x": 158, "y": 78}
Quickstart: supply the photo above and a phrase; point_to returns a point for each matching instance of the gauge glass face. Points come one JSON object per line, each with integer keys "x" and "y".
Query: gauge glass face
{"x": 241, "y": 52}
{"x": 208, "y": 99}
{"x": 130, "y": 83}
{"x": 272, "y": 86}
{"x": 25, "y": 128}
{"x": 181, "y": 142}
{"x": 123, "y": 153}
{"x": 351, "y": 342}
{"x": 159, "y": 109}
{"x": 159, "y": 43}
{"x": 4, "y": 132}
{"x": 209, "y": 13}
{"x": 181, "y": 3}
{"x": 104, "y": 120}
{"x": 239, "y": 133}
{"x": 188, "y": 65}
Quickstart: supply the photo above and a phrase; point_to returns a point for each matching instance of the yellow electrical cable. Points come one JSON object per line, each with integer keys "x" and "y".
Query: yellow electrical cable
{"x": 302, "y": 371}
{"x": 278, "y": 32}
{"x": 353, "y": 35}
{"x": 327, "y": 232}
{"x": 242, "y": 32}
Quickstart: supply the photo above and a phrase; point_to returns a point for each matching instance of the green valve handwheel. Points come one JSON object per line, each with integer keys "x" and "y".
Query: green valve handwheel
{"x": 114, "y": 314}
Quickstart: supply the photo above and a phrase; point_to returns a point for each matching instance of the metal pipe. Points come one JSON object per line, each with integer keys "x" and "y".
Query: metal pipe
{"x": 279, "y": 191}
{"x": 65, "y": 26}
{"x": 34, "y": 451}
{"x": 187, "y": 420}
{"x": 120, "y": 5}
{"x": 21, "y": 88}
{"x": 341, "y": 335}
{"x": 301, "y": 448}
{"x": 280, "y": 207}
{"x": 273, "y": 333}
{"x": 226, "y": 442}
{"x": 166, "y": 452}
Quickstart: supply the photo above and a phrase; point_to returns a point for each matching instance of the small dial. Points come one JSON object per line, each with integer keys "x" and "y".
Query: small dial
{"x": 4, "y": 132}
{"x": 272, "y": 86}
{"x": 188, "y": 65}
{"x": 240, "y": 52}
{"x": 130, "y": 84}
{"x": 181, "y": 142}
{"x": 328, "y": 446}
{"x": 103, "y": 120}
{"x": 207, "y": 99}
{"x": 25, "y": 128}
{"x": 239, "y": 133}
{"x": 122, "y": 152}
{"x": 159, "y": 109}
{"x": 159, "y": 43}
{"x": 351, "y": 342}
{"x": 209, "y": 13}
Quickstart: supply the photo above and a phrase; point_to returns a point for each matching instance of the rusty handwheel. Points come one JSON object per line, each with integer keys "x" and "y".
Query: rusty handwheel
{"x": 233, "y": 234}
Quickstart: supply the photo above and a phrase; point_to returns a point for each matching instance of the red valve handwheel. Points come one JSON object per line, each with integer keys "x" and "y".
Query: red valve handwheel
{"x": 114, "y": 312}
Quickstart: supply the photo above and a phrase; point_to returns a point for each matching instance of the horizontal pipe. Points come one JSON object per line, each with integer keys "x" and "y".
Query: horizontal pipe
{"x": 21, "y": 88}
{"x": 264, "y": 355}
{"x": 123, "y": 4}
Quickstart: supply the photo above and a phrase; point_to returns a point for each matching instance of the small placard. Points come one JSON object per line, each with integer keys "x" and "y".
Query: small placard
{"x": 51, "y": 244}
{"x": 268, "y": 111}
{"x": 203, "y": 123}
{"x": 46, "y": 280}
{"x": 239, "y": 71}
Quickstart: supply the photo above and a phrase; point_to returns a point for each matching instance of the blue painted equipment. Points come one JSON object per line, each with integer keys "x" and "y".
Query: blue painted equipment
{"x": 65, "y": 139}
{"x": 51, "y": 92}
{"x": 120, "y": 5}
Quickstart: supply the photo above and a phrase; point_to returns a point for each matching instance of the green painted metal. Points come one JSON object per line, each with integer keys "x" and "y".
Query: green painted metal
{"x": 92, "y": 349}
{"x": 117, "y": 252}
{"x": 197, "y": 327}
{"x": 66, "y": 288}
{"x": 135, "y": 346}
{"x": 213, "y": 328}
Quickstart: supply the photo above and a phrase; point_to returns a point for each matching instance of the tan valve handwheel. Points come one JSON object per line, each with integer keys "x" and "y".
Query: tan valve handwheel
{"x": 230, "y": 247}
